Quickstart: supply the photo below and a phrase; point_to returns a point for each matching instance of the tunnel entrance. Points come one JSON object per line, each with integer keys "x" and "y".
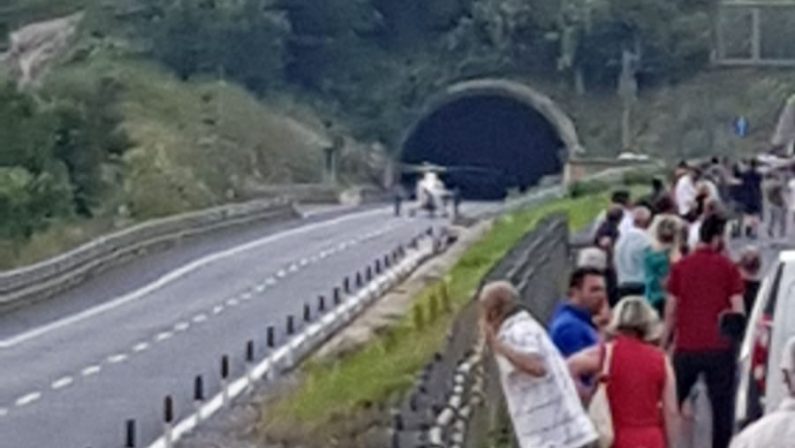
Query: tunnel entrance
{"x": 490, "y": 139}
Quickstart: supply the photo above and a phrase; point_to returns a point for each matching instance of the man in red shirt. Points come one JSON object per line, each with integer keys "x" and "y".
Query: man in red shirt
{"x": 703, "y": 286}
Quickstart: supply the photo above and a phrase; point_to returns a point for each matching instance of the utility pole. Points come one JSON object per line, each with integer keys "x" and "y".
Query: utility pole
{"x": 628, "y": 92}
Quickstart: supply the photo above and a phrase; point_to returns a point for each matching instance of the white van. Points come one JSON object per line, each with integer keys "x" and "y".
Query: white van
{"x": 771, "y": 323}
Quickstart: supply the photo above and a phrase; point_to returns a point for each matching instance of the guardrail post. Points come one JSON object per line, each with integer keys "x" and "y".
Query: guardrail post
{"x": 337, "y": 296}
{"x": 346, "y": 285}
{"x": 307, "y": 313}
{"x": 290, "y": 325}
{"x": 359, "y": 281}
{"x": 321, "y": 304}
{"x": 369, "y": 273}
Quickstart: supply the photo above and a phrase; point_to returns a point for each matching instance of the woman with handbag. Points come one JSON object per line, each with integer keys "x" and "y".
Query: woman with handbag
{"x": 636, "y": 381}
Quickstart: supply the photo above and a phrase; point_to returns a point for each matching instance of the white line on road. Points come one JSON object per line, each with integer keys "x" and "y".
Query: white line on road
{"x": 28, "y": 399}
{"x": 199, "y": 318}
{"x": 270, "y": 281}
{"x": 175, "y": 275}
{"x": 91, "y": 370}
{"x": 232, "y": 302}
{"x": 182, "y": 326}
{"x": 163, "y": 336}
{"x": 143, "y": 346}
{"x": 281, "y": 274}
{"x": 246, "y": 296}
{"x": 63, "y": 382}
{"x": 117, "y": 359}
{"x": 261, "y": 288}
{"x": 304, "y": 262}
{"x": 3, "y": 412}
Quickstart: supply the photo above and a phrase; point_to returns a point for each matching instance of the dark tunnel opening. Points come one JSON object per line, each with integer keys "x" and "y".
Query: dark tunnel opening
{"x": 488, "y": 143}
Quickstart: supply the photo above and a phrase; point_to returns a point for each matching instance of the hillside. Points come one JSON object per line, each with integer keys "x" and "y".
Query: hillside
{"x": 160, "y": 106}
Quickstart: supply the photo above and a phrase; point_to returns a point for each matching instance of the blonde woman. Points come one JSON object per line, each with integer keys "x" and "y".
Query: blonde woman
{"x": 640, "y": 382}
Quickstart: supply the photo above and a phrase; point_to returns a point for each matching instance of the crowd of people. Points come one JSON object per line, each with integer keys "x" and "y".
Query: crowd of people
{"x": 655, "y": 303}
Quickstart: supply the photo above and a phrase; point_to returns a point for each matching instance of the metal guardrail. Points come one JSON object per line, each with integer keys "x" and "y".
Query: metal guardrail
{"x": 44, "y": 279}
{"x": 445, "y": 407}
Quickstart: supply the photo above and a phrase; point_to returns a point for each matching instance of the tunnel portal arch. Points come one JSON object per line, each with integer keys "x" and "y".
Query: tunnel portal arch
{"x": 493, "y": 135}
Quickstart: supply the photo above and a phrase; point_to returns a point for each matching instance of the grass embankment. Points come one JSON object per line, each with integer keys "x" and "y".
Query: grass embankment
{"x": 194, "y": 144}
{"x": 333, "y": 391}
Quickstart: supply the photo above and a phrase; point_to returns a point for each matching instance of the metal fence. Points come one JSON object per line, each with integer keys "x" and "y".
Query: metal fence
{"x": 756, "y": 33}
{"x": 457, "y": 400}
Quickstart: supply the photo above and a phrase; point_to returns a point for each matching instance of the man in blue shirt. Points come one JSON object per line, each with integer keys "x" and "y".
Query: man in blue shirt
{"x": 572, "y": 328}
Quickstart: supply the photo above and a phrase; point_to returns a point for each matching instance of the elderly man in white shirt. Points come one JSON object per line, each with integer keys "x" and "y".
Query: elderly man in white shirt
{"x": 775, "y": 430}
{"x": 542, "y": 399}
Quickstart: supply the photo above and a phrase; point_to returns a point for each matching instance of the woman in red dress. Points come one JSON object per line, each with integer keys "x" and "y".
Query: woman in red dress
{"x": 641, "y": 387}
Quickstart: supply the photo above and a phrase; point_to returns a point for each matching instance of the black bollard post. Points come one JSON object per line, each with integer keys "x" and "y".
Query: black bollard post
{"x": 346, "y": 285}
{"x": 321, "y": 304}
{"x": 359, "y": 281}
{"x": 271, "y": 337}
{"x": 198, "y": 389}
{"x": 369, "y": 274}
{"x": 225, "y": 367}
{"x": 337, "y": 296}
{"x": 307, "y": 313}
{"x": 387, "y": 261}
{"x": 290, "y": 325}
{"x": 378, "y": 266}
{"x": 168, "y": 410}
{"x": 129, "y": 438}
{"x": 250, "y": 352}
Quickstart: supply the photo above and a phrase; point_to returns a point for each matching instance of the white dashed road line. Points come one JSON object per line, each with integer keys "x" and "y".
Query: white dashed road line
{"x": 140, "y": 347}
{"x": 218, "y": 309}
{"x": 232, "y": 302}
{"x": 3, "y": 412}
{"x": 63, "y": 382}
{"x": 117, "y": 359}
{"x": 163, "y": 336}
{"x": 91, "y": 370}
{"x": 28, "y": 399}
{"x": 199, "y": 318}
{"x": 182, "y": 326}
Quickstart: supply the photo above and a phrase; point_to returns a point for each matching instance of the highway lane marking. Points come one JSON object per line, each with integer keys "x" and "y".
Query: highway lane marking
{"x": 163, "y": 336}
{"x": 3, "y": 412}
{"x": 199, "y": 318}
{"x": 117, "y": 359}
{"x": 91, "y": 370}
{"x": 261, "y": 288}
{"x": 27, "y": 399}
{"x": 232, "y": 302}
{"x": 218, "y": 309}
{"x": 143, "y": 346}
{"x": 63, "y": 382}
{"x": 246, "y": 296}
{"x": 178, "y": 274}
{"x": 181, "y": 326}
{"x": 304, "y": 262}
{"x": 270, "y": 281}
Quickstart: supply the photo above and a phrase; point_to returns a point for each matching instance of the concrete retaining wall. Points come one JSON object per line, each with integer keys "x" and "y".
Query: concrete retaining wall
{"x": 42, "y": 280}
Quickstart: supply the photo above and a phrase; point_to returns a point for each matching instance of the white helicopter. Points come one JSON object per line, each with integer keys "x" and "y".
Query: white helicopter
{"x": 431, "y": 193}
